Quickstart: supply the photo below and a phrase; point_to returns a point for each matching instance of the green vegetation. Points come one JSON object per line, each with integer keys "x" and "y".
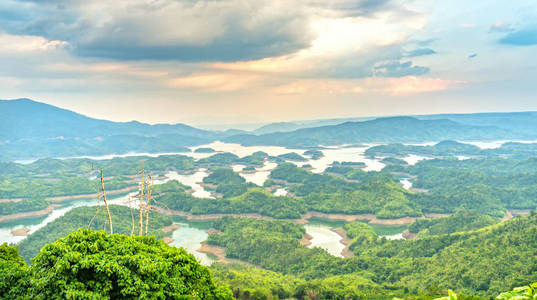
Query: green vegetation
{"x": 462, "y": 220}
{"x": 292, "y": 156}
{"x": 90, "y": 264}
{"x": 53, "y": 177}
{"x": 170, "y": 186}
{"x": 250, "y": 282}
{"x": 23, "y": 205}
{"x": 314, "y": 154}
{"x": 528, "y": 292}
{"x": 399, "y": 267}
{"x": 384, "y": 198}
{"x": 393, "y": 161}
{"x": 444, "y": 148}
{"x": 204, "y": 150}
{"x": 14, "y": 277}
{"x": 364, "y": 193}
{"x": 256, "y": 159}
{"x": 67, "y": 186}
{"x": 367, "y": 193}
{"x": 227, "y": 182}
{"x": 219, "y": 159}
{"x": 254, "y": 200}
{"x": 290, "y": 173}
{"x": 58, "y": 168}
{"x": 487, "y": 186}
{"x": 81, "y": 217}
{"x": 352, "y": 164}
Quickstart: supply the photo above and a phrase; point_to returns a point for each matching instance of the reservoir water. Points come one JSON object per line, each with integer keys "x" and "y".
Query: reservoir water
{"x": 325, "y": 238}
{"x": 189, "y": 236}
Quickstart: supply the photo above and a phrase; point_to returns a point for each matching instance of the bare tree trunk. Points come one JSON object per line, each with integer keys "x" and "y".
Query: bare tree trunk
{"x": 147, "y": 205}
{"x": 142, "y": 200}
{"x": 106, "y": 203}
{"x": 132, "y": 215}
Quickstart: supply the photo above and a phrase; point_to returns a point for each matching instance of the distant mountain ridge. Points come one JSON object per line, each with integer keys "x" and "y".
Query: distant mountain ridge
{"x": 383, "y": 130}
{"x": 25, "y": 118}
{"x": 32, "y": 129}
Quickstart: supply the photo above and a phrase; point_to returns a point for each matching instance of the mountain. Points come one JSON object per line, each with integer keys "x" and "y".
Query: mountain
{"x": 519, "y": 121}
{"x": 32, "y": 129}
{"x": 525, "y": 122}
{"x": 295, "y": 125}
{"x": 277, "y": 127}
{"x": 27, "y": 119}
{"x": 391, "y": 129}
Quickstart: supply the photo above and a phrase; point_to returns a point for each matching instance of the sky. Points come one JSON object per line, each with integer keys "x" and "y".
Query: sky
{"x": 256, "y": 61}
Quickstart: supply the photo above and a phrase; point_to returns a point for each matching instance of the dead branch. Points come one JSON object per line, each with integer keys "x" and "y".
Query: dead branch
{"x": 106, "y": 203}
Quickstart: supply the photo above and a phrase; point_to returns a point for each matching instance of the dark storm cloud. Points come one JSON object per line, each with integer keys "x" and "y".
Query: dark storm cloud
{"x": 188, "y": 30}
{"x": 524, "y": 37}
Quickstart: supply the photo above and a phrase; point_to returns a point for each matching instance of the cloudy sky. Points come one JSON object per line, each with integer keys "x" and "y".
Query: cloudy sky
{"x": 249, "y": 61}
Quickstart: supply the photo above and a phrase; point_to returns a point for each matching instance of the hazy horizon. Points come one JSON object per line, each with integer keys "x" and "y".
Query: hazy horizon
{"x": 254, "y": 126}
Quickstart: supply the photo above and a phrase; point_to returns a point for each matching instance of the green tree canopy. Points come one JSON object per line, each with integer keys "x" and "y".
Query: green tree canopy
{"x": 93, "y": 265}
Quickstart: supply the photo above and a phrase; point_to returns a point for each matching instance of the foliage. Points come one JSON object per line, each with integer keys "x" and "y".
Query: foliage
{"x": 170, "y": 186}
{"x": 219, "y": 159}
{"x": 253, "y": 200}
{"x": 314, "y": 154}
{"x": 462, "y": 220}
{"x": 81, "y": 217}
{"x": 482, "y": 262}
{"x": 23, "y": 205}
{"x": 204, "y": 150}
{"x": 250, "y": 282}
{"x": 256, "y": 159}
{"x": 292, "y": 156}
{"x": 39, "y": 188}
{"x": 528, "y": 292}
{"x": 13, "y": 273}
{"x": 90, "y": 264}
{"x": 444, "y": 148}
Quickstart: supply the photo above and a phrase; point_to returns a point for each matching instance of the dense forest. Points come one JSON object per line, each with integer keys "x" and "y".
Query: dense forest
{"x": 92, "y": 218}
{"x": 398, "y": 267}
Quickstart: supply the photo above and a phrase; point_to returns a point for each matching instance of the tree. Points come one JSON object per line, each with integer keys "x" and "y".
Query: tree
{"x": 93, "y": 264}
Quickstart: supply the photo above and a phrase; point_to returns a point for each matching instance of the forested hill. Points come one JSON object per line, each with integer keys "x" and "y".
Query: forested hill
{"x": 392, "y": 129}
{"x": 522, "y": 122}
{"x": 32, "y": 129}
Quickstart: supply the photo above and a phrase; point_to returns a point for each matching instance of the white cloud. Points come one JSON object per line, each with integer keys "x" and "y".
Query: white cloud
{"x": 17, "y": 44}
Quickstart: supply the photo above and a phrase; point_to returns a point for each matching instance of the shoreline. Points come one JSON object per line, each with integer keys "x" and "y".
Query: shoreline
{"x": 306, "y": 239}
{"x": 77, "y": 197}
{"x": 409, "y": 235}
{"x": 345, "y": 240}
{"x": 369, "y": 218}
{"x": 28, "y": 214}
{"x": 220, "y": 254}
{"x": 89, "y": 196}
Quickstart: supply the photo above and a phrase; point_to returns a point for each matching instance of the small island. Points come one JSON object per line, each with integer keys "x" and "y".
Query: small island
{"x": 204, "y": 150}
